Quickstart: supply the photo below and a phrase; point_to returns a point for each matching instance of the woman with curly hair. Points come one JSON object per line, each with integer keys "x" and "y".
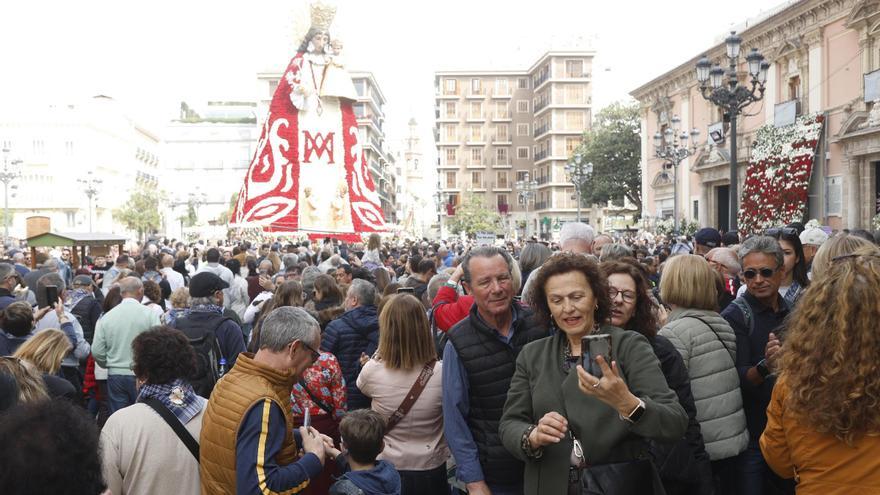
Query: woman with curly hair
{"x": 823, "y": 429}
{"x": 142, "y": 454}
{"x": 576, "y": 430}
{"x": 684, "y": 465}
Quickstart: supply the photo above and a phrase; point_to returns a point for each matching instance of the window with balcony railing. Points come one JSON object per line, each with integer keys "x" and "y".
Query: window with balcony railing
{"x": 541, "y": 154}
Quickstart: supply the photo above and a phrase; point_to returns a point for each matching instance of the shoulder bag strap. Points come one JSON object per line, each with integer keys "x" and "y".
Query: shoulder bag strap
{"x": 191, "y": 444}
{"x": 318, "y": 402}
{"x": 412, "y": 396}
{"x": 732, "y": 357}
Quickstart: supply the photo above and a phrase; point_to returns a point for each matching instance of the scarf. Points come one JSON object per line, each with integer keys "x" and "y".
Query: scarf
{"x": 206, "y": 308}
{"x": 74, "y": 297}
{"x": 178, "y": 396}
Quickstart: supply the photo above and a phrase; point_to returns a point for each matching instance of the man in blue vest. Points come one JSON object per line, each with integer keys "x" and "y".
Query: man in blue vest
{"x": 477, "y": 367}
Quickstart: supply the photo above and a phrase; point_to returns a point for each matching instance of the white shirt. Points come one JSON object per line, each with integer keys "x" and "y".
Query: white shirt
{"x": 175, "y": 280}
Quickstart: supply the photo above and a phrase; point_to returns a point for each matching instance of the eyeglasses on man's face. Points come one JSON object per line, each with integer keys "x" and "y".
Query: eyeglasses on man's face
{"x": 752, "y": 273}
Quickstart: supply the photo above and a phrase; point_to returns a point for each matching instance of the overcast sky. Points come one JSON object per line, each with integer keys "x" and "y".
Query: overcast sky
{"x": 152, "y": 55}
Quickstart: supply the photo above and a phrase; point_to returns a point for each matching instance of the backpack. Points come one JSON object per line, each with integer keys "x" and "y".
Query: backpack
{"x": 208, "y": 354}
{"x": 746, "y": 311}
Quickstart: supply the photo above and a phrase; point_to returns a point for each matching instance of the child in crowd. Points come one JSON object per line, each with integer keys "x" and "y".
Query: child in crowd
{"x": 362, "y": 432}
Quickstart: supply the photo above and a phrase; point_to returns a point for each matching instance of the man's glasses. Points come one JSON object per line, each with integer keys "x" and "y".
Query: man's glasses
{"x": 776, "y": 232}
{"x": 315, "y": 354}
{"x": 752, "y": 273}
{"x": 628, "y": 296}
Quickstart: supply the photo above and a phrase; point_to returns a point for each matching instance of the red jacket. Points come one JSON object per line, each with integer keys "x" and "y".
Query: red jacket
{"x": 450, "y": 308}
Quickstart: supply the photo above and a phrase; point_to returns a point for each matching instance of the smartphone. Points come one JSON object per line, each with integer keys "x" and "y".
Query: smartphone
{"x": 307, "y": 418}
{"x": 406, "y": 290}
{"x": 593, "y": 346}
{"x": 51, "y": 295}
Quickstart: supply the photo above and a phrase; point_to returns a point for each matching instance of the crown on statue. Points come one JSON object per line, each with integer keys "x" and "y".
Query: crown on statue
{"x": 322, "y": 15}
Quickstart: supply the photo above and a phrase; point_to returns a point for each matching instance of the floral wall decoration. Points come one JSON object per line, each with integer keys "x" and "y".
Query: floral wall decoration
{"x": 778, "y": 175}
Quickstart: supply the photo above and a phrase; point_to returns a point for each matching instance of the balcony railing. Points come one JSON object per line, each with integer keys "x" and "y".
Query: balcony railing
{"x": 542, "y": 205}
{"x": 501, "y": 116}
{"x": 541, "y": 155}
{"x": 541, "y": 78}
{"x": 543, "y": 179}
{"x": 541, "y": 130}
{"x": 541, "y": 105}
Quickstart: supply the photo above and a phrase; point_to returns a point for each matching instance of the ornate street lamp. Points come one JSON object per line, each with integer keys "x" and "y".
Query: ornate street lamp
{"x": 578, "y": 173}
{"x": 11, "y": 171}
{"x": 733, "y": 97}
{"x": 672, "y": 148}
{"x": 525, "y": 189}
{"x": 90, "y": 186}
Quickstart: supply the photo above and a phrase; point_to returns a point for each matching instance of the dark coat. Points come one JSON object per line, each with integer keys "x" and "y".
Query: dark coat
{"x": 347, "y": 337}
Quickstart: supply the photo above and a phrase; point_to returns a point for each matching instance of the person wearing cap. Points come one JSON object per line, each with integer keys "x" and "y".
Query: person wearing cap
{"x": 811, "y": 240}
{"x": 114, "y": 334}
{"x": 206, "y": 314}
{"x": 705, "y": 240}
{"x": 81, "y": 302}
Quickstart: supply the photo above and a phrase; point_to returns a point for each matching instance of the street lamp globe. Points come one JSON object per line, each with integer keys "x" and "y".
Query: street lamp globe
{"x": 658, "y": 139}
{"x": 733, "y": 43}
{"x": 716, "y": 76}
{"x": 754, "y": 59}
{"x": 762, "y": 74}
{"x": 695, "y": 133}
{"x": 703, "y": 67}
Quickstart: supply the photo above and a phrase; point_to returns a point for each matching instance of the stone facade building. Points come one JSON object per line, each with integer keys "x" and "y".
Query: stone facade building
{"x": 825, "y": 58}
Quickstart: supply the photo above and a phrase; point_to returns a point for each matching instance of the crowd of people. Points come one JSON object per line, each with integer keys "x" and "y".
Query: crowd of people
{"x": 598, "y": 364}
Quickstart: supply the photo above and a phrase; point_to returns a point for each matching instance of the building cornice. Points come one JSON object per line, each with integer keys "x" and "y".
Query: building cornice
{"x": 791, "y": 29}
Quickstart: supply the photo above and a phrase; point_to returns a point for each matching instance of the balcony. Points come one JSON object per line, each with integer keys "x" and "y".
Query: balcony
{"x": 501, "y": 117}
{"x": 478, "y": 186}
{"x": 478, "y": 94}
{"x": 504, "y": 209}
{"x": 541, "y": 79}
{"x": 502, "y": 186}
{"x": 541, "y": 130}
{"x": 543, "y": 179}
{"x": 541, "y": 105}
{"x": 542, "y": 205}
{"x": 502, "y": 95}
{"x": 476, "y": 118}
{"x": 541, "y": 155}
{"x": 478, "y": 165}
{"x": 501, "y": 164}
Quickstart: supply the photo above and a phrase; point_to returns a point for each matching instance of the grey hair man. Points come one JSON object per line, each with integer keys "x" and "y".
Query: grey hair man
{"x": 755, "y": 317}
{"x": 249, "y": 413}
{"x": 615, "y": 251}
{"x": 352, "y": 335}
{"x": 114, "y": 333}
{"x": 575, "y": 237}
{"x": 9, "y": 278}
{"x": 478, "y": 364}
{"x": 289, "y": 260}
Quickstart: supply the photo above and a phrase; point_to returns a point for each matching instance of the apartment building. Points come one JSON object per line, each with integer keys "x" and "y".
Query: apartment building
{"x": 495, "y": 128}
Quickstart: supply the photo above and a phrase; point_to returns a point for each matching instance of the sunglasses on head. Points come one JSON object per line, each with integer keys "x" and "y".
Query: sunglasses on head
{"x": 752, "y": 273}
{"x": 775, "y": 232}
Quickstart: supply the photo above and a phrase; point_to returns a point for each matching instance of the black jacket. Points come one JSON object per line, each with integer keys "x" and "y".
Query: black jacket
{"x": 684, "y": 465}
{"x": 353, "y": 333}
{"x": 490, "y": 364}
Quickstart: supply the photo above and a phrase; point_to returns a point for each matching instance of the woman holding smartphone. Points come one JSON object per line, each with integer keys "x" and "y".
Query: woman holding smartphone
{"x": 574, "y": 429}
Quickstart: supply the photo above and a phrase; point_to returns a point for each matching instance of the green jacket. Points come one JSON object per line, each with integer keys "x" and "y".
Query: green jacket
{"x": 541, "y": 385}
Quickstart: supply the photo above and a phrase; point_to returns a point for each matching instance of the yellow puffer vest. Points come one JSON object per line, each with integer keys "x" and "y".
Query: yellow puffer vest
{"x": 248, "y": 383}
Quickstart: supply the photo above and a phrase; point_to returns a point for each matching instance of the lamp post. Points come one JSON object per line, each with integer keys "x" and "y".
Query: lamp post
{"x": 90, "y": 187}
{"x": 194, "y": 200}
{"x": 525, "y": 189}
{"x": 672, "y": 147}
{"x": 439, "y": 196}
{"x": 11, "y": 171}
{"x": 733, "y": 97}
{"x": 578, "y": 172}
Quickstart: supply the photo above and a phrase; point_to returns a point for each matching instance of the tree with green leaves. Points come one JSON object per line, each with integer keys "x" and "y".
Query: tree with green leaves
{"x": 613, "y": 146}
{"x": 141, "y": 212}
{"x": 472, "y": 216}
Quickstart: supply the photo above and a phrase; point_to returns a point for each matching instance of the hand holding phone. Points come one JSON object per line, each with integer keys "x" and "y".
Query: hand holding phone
{"x": 593, "y": 346}
{"x": 307, "y": 418}
{"x": 51, "y": 295}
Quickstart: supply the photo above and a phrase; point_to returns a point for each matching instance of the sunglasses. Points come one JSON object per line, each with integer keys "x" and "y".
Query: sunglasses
{"x": 765, "y": 273}
{"x": 775, "y": 232}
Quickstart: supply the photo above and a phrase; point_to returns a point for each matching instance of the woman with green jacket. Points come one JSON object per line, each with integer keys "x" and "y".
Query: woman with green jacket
{"x": 558, "y": 418}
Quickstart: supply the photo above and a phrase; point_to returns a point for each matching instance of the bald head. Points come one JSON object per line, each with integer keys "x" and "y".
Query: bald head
{"x": 131, "y": 287}
{"x": 167, "y": 261}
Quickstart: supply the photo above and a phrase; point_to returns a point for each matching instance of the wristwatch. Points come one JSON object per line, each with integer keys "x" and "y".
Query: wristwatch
{"x": 636, "y": 413}
{"x": 763, "y": 369}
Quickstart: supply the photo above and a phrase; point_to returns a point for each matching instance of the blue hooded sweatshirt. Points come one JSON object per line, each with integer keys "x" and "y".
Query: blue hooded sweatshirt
{"x": 381, "y": 480}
